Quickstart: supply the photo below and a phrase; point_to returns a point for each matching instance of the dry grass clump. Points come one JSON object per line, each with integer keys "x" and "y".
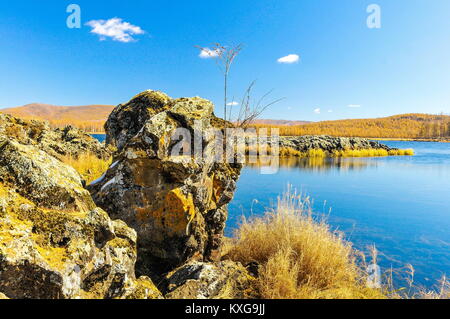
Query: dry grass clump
{"x": 361, "y": 153}
{"x": 298, "y": 256}
{"x": 373, "y": 152}
{"x": 407, "y": 152}
{"x": 319, "y": 153}
{"x": 88, "y": 165}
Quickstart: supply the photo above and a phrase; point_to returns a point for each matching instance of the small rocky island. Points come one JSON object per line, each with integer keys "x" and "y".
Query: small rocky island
{"x": 150, "y": 227}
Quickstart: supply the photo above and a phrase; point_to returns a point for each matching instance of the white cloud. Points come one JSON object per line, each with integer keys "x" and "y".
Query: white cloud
{"x": 115, "y": 28}
{"x": 288, "y": 59}
{"x": 317, "y": 111}
{"x": 233, "y": 103}
{"x": 330, "y": 111}
{"x": 206, "y": 53}
{"x": 354, "y": 105}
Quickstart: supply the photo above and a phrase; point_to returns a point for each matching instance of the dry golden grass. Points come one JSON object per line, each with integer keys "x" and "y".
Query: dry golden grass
{"x": 299, "y": 257}
{"x": 88, "y": 165}
{"x": 317, "y": 153}
{"x": 407, "y": 152}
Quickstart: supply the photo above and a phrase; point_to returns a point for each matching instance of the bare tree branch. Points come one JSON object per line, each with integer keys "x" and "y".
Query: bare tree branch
{"x": 225, "y": 57}
{"x": 248, "y": 111}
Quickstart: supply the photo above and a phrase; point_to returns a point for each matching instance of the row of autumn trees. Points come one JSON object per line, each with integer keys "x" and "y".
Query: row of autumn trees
{"x": 95, "y": 126}
{"x": 399, "y": 126}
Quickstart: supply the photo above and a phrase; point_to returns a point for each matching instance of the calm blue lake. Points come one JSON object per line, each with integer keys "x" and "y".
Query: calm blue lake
{"x": 399, "y": 204}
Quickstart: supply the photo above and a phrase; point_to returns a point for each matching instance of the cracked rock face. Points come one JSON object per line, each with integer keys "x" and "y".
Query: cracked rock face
{"x": 54, "y": 241}
{"x": 176, "y": 204}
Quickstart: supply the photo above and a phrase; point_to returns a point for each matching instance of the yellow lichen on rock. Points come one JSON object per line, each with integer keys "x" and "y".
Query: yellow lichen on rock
{"x": 174, "y": 214}
{"x": 144, "y": 289}
{"x": 55, "y": 257}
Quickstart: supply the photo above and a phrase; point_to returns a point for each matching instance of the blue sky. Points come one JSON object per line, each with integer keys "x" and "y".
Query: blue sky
{"x": 402, "y": 67}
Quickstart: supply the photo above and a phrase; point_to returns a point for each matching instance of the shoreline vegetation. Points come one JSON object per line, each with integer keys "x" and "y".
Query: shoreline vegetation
{"x": 438, "y": 140}
{"x": 318, "y": 153}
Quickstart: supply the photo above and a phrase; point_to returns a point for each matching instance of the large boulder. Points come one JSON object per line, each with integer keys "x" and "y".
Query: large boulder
{"x": 56, "y": 142}
{"x": 176, "y": 204}
{"x": 54, "y": 241}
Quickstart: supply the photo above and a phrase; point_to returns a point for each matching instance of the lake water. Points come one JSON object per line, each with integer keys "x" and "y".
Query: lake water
{"x": 399, "y": 204}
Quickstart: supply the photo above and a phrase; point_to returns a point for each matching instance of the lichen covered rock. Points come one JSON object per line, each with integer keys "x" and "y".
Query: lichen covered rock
{"x": 42, "y": 178}
{"x": 328, "y": 144}
{"x": 176, "y": 204}
{"x": 54, "y": 241}
{"x": 56, "y": 142}
{"x": 199, "y": 280}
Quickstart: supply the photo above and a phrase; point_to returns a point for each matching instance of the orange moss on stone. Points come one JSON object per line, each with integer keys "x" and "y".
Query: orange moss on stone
{"x": 217, "y": 189}
{"x": 175, "y": 214}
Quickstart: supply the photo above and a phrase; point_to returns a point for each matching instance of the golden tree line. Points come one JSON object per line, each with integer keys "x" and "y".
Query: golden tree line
{"x": 399, "y": 126}
{"x": 87, "y": 126}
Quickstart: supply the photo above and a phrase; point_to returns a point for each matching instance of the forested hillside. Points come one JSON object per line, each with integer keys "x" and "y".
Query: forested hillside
{"x": 398, "y": 126}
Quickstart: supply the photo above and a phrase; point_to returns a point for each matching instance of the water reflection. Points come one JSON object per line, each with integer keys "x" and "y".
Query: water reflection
{"x": 317, "y": 164}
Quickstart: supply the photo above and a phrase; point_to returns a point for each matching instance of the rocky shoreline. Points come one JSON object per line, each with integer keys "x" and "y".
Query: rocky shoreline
{"x": 150, "y": 227}
{"x": 329, "y": 144}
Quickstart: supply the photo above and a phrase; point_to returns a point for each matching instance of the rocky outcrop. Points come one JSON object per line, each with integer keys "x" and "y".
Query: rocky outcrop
{"x": 176, "y": 204}
{"x": 54, "y": 241}
{"x": 328, "y": 143}
{"x": 221, "y": 280}
{"x": 55, "y": 142}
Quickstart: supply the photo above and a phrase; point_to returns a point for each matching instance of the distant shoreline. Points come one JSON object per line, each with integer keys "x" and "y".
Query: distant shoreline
{"x": 369, "y": 138}
{"x": 410, "y": 139}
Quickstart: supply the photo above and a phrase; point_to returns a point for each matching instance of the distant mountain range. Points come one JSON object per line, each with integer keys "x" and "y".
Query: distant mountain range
{"x": 90, "y": 118}
{"x": 54, "y": 112}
